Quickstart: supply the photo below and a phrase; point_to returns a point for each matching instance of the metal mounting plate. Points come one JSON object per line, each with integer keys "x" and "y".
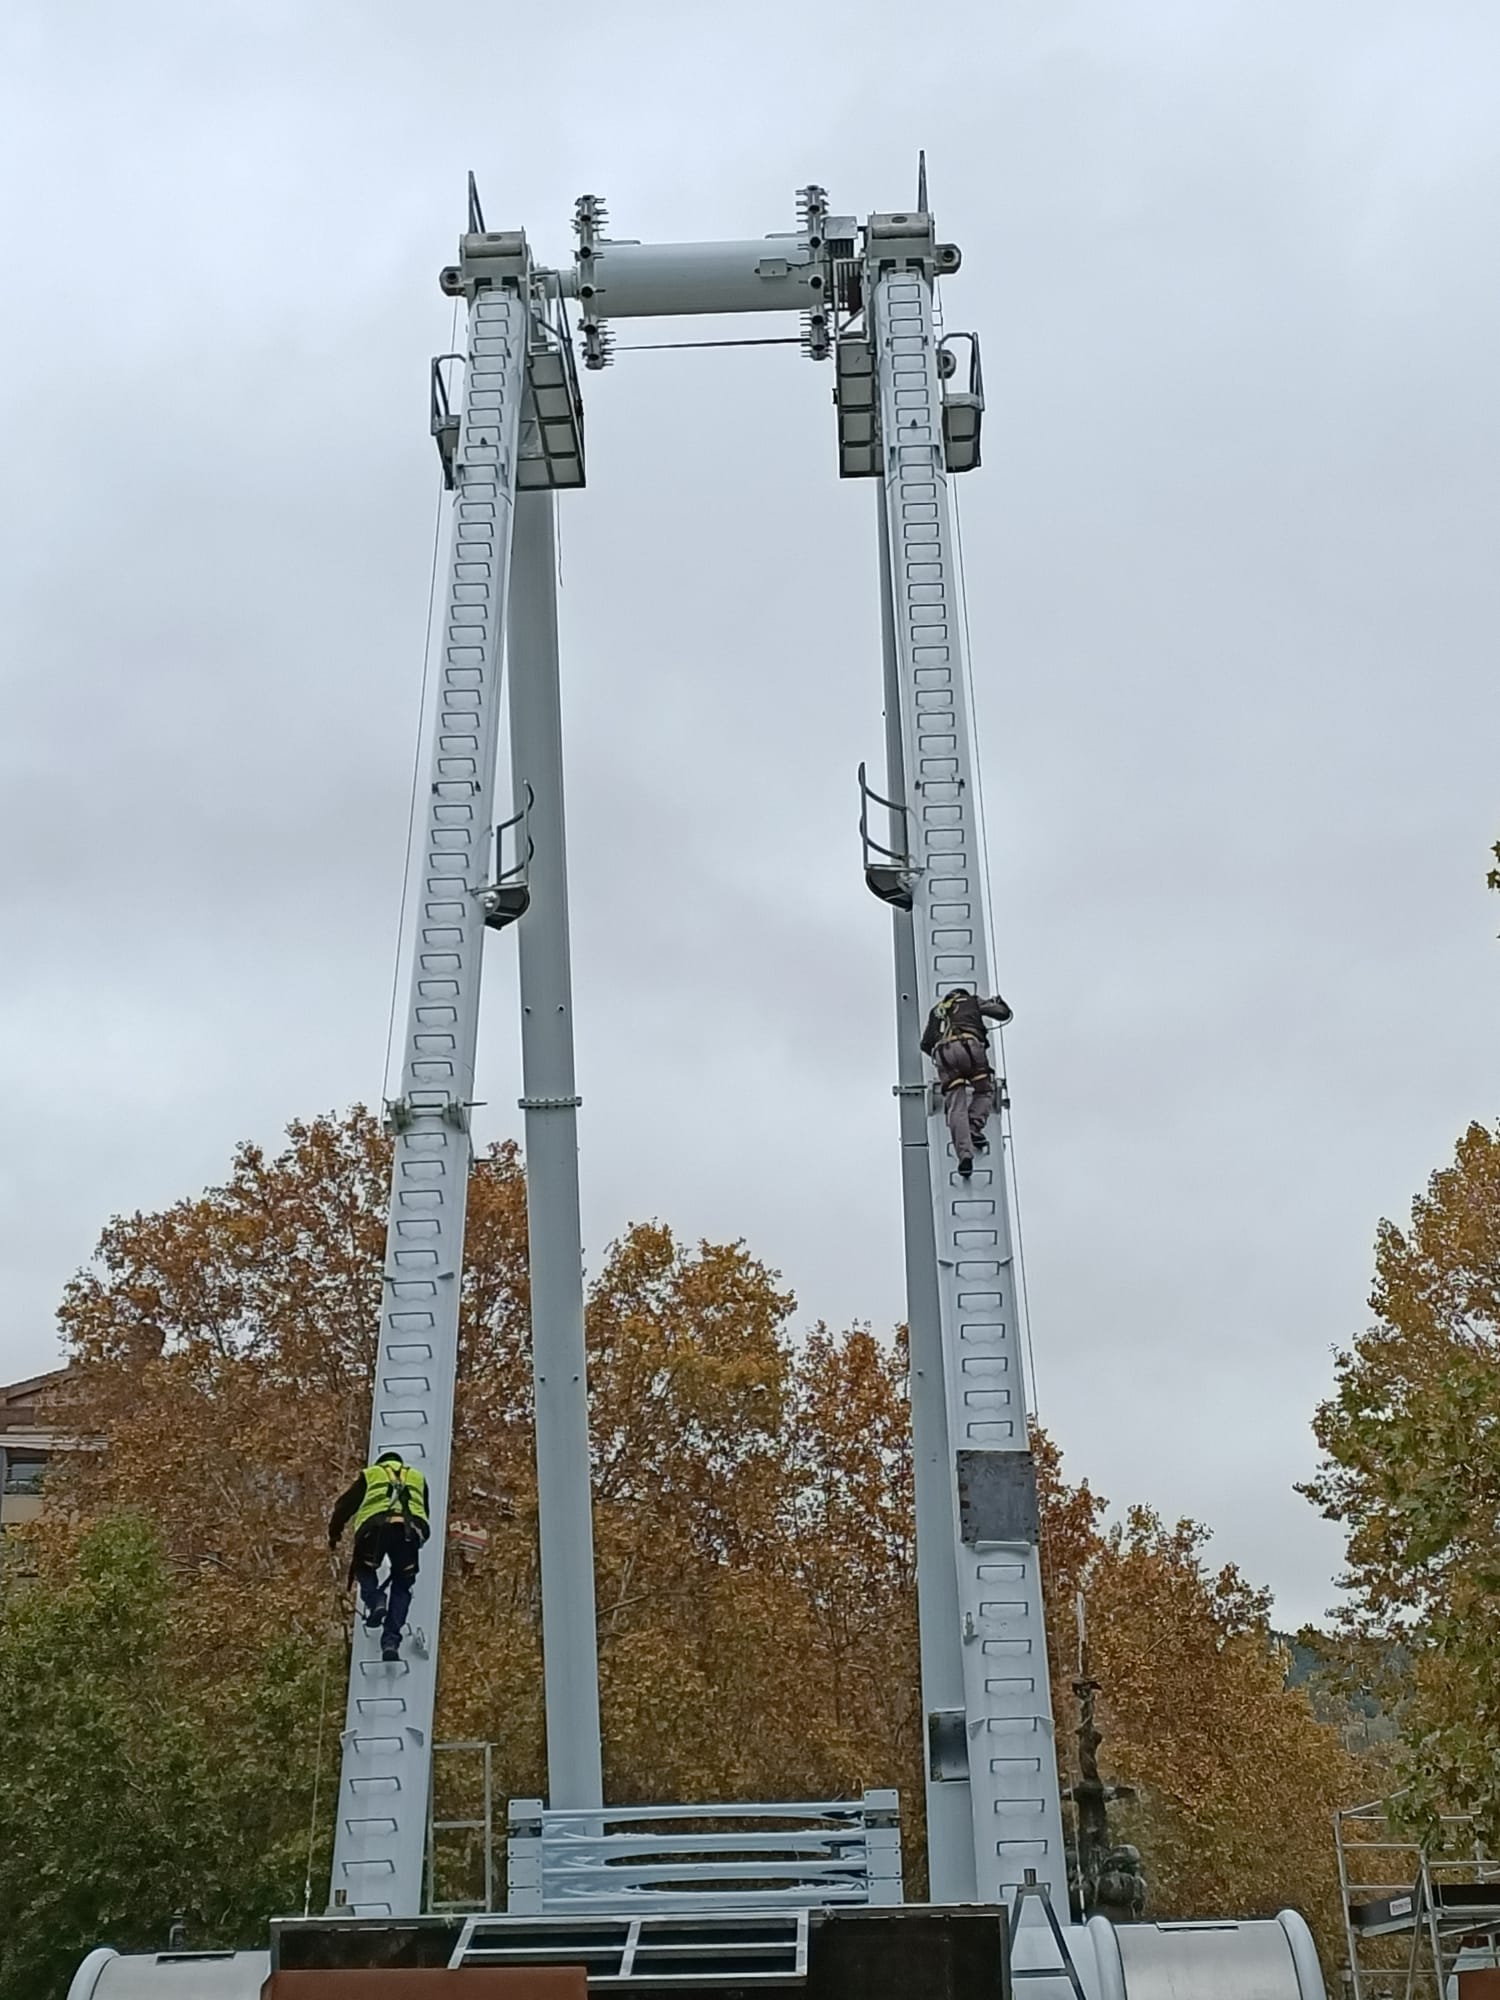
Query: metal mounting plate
{"x": 997, "y": 1497}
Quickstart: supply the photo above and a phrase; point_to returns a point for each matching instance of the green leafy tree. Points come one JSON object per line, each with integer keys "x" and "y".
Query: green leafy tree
{"x": 1411, "y": 1467}
{"x": 131, "y": 1795}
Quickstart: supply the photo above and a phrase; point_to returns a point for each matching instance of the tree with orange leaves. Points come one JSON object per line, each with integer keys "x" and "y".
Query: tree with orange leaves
{"x": 753, "y": 1525}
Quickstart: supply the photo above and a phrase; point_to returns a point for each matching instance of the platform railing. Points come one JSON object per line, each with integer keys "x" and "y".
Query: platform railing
{"x": 742, "y": 1856}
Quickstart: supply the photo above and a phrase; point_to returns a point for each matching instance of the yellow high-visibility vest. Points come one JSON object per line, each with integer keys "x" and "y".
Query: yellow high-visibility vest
{"x": 393, "y": 1489}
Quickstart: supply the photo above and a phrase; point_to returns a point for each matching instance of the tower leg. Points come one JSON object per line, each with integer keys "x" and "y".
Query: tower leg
{"x": 550, "y": 1102}
{"x": 385, "y": 1775}
{"x": 1015, "y": 1803}
{"x": 950, "y": 1838}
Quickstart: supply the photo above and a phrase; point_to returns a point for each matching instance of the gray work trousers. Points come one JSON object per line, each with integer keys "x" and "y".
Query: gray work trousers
{"x": 968, "y": 1085}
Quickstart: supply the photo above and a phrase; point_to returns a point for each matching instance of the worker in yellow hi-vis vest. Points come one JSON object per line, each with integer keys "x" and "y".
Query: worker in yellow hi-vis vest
{"x": 388, "y": 1505}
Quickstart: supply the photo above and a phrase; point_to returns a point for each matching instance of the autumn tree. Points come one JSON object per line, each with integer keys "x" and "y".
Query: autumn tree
{"x": 1411, "y": 1467}
{"x": 752, "y": 1513}
{"x": 1235, "y": 1779}
{"x": 223, "y": 1355}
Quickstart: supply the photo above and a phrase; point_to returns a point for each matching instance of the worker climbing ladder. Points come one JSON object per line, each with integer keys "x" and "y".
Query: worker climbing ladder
{"x": 382, "y": 1796}
{"x": 1000, "y": 1745}
{"x": 507, "y": 442}
{"x": 997, "y": 1743}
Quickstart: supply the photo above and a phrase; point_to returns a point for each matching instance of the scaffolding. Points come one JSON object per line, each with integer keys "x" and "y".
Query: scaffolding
{"x": 1417, "y": 1912}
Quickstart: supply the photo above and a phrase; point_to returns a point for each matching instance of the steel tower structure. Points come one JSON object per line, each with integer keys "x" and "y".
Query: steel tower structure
{"x": 865, "y": 295}
{"x": 908, "y": 419}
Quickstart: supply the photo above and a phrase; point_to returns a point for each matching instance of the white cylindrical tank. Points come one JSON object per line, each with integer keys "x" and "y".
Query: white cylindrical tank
{"x": 1272, "y": 1959}
{"x": 171, "y": 1975}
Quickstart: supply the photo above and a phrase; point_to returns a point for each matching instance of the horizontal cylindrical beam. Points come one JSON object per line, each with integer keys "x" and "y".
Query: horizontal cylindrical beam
{"x": 650, "y": 280}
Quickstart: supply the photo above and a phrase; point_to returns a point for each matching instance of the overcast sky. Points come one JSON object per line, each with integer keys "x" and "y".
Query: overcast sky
{"x": 1234, "y": 595}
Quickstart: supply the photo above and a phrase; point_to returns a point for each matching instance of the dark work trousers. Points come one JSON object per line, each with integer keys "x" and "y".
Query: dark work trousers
{"x": 968, "y": 1082}
{"x": 400, "y": 1544}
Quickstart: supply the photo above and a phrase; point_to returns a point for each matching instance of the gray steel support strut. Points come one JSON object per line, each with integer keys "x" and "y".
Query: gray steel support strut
{"x": 386, "y": 1766}
{"x": 550, "y": 1102}
{"x": 950, "y": 1834}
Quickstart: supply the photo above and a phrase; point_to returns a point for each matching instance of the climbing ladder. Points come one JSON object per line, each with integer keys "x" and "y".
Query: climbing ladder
{"x": 1000, "y": 1744}
{"x": 866, "y": 296}
{"x": 386, "y": 1764}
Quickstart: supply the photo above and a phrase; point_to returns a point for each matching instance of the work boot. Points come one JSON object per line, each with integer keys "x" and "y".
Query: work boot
{"x": 981, "y": 1142}
{"x": 966, "y": 1168}
{"x": 390, "y": 1651}
{"x": 375, "y": 1612}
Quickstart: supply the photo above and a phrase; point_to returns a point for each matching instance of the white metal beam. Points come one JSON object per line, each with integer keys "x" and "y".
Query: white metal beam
{"x": 1013, "y": 1784}
{"x": 387, "y": 1742}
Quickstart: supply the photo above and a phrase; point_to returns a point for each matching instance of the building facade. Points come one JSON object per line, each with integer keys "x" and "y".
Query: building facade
{"x": 29, "y": 1442}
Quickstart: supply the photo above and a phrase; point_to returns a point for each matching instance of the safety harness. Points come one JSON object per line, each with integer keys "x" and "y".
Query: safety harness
{"x": 945, "y": 1010}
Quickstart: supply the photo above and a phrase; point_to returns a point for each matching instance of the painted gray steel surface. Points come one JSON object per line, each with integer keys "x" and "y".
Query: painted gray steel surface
{"x": 1016, "y": 1812}
{"x": 950, "y": 1835}
{"x": 1270, "y": 1960}
{"x": 550, "y": 1104}
{"x": 695, "y": 1858}
{"x": 660, "y": 280}
{"x": 387, "y": 1754}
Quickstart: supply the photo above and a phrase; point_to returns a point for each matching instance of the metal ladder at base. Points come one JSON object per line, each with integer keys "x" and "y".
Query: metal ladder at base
{"x": 1038, "y": 1892}
{"x": 708, "y": 1950}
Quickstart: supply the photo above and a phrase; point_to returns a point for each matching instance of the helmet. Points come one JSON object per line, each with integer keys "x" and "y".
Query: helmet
{"x": 390, "y": 1458}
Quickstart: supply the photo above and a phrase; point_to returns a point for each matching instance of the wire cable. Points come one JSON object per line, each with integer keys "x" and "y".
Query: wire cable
{"x": 1008, "y": 1149}
{"x": 312, "y": 1818}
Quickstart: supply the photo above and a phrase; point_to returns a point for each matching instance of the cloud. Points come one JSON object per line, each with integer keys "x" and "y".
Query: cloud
{"x": 1230, "y": 581}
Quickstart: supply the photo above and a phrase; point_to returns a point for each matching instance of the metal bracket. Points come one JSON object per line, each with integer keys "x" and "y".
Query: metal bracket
{"x": 932, "y": 1092}
{"x": 399, "y": 1116}
{"x": 486, "y": 262}
{"x": 948, "y": 1746}
{"x": 906, "y": 239}
{"x": 486, "y": 257}
{"x": 548, "y": 1103}
{"x": 590, "y": 220}
{"x": 812, "y": 227}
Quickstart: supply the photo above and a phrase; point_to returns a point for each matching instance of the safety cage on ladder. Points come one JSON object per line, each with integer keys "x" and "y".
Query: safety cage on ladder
{"x": 507, "y": 897}
{"x": 889, "y": 871}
